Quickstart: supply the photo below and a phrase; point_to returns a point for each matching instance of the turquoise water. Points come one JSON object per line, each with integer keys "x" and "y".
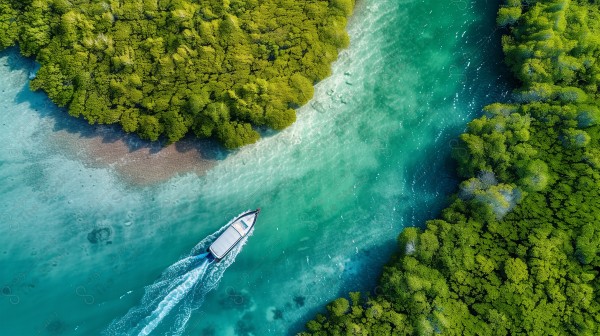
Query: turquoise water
{"x": 368, "y": 156}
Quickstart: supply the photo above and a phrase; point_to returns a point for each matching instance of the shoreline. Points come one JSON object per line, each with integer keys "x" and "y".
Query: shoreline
{"x": 135, "y": 161}
{"x": 138, "y": 162}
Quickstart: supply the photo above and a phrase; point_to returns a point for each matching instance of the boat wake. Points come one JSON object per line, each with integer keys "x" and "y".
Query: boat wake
{"x": 169, "y": 302}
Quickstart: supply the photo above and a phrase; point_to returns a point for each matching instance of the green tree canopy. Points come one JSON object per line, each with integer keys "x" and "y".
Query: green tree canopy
{"x": 159, "y": 67}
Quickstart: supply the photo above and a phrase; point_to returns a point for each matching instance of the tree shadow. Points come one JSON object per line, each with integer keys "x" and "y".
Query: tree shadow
{"x": 365, "y": 280}
{"x": 38, "y": 101}
{"x": 16, "y": 61}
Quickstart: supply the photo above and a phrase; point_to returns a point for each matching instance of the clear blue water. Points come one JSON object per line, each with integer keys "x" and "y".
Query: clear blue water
{"x": 368, "y": 156}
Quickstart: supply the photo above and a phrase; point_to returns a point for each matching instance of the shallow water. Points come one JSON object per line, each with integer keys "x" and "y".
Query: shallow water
{"x": 368, "y": 156}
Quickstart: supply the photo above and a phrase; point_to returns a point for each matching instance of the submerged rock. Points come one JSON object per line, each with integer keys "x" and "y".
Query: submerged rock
{"x": 56, "y": 327}
{"x": 100, "y": 235}
{"x": 208, "y": 331}
{"x": 299, "y": 300}
{"x": 277, "y": 314}
{"x": 244, "y": 327}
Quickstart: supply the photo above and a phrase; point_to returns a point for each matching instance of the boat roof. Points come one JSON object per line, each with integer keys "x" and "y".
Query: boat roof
{"x": 225, "y": 241}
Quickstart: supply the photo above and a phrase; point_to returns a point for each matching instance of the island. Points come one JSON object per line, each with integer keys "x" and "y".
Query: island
{"x": 166, "y": 68}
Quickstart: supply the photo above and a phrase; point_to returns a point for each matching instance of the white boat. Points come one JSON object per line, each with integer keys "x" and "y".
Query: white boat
{"x": 238, "y": 229}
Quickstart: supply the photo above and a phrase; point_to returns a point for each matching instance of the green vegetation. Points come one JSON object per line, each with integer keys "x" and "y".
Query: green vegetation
{"x": 517, "y": 251}
{"x": 167, "y": 67}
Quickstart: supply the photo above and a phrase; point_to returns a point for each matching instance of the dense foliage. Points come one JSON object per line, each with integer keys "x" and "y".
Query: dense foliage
{"x": 517, "y": 251}
{"x": 167, "y": 67}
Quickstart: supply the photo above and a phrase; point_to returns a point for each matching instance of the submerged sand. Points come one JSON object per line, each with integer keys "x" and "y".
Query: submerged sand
{"x": 137, "y": 161}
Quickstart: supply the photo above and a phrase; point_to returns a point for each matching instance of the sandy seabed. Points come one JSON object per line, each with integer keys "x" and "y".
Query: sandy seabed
{"x": 137, "y": 161}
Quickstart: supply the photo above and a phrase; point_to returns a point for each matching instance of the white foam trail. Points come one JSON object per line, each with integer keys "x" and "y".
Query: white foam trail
{"x": 173, "y": 298}
{"x": 179, "y": 291}
{"x": 209, "y": 282}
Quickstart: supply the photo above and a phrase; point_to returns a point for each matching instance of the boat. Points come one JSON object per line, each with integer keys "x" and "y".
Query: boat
{"x": 238, "y": 229}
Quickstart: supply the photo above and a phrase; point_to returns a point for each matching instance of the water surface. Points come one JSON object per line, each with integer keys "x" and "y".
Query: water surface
{"x": 368, "y": 156}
